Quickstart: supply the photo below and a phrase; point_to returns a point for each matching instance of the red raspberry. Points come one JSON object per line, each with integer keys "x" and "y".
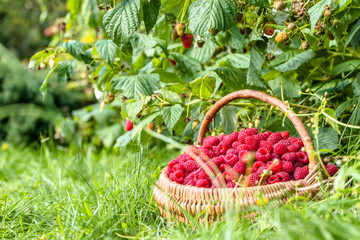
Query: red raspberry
{"x": 179, "y": 167}
{"x": 280, "y": 149}
{"x": 285, "y": 134}
{"x": 187, "y": 40}
{"x": 274, "y": 138}
{"x": 206, "y": 146}
{"x": 129, "y": 125}
{"x": 182, "y": 158}
{"x": 273, "y": 179}
{"x": 230, "y": 184}
{"x": 285, "y": 142}
{"x": 240, "y": 167}
{"x": 267, "y": 134}
{"x": 169, "y": 171}
{"x": 188, "y": 178}
{"x": 332, "y": 169}
{"x": 290, "y": 156}
{"x": 232, "y": 151}
{"x": 231, "y": 159}
{"x": 190, "y": 166}
{"x": 294, "y": 148}
{"x": 224, "y": 167}
{"x": 172, "y": 163}
{"x": 302, "y": 157}
{"x": 172, "y": 61}
{"x": 206, "y": 153}
{"x": 218, "y": 160}
{"x": 291, "y": 138}
{"x": 252, "y": 143}
{"x": 223, "y": 147}
{"x": 242, "y": 147}
{"x": 283, "y": 176}
{"x": 246, "y": 156}
{"x": 192, "y": 182}
{"x": 245, "y": 133}
{"x": 202, "y": 183}
{"x": 297, "y": 140}
{"x": 254, "y": 179}
{"x": 287, "y": 167}
{"x": 257, "y": 166}
{"x": 266, "y": 145}
{"x": 262, "y": 170}
{"x": 231, "y": 138}
{"x": 274, "y": 156}
{"x": 263, "y": 155}
{"x": 202, "y": 174}
{"x": 221, "y": 136}
{"x": 236, "y": 144}
{"x": 177, "y": 176}
{"x": 231, "y": 175}
{"x": 211, "y": 140}
{"x": 274, "y": 166}
{"x": 301, "y": 172}
{"x": 298, "y": 164}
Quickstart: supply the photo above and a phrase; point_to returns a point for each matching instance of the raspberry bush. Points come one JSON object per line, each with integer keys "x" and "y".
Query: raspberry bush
{"x": 165, "y": 63}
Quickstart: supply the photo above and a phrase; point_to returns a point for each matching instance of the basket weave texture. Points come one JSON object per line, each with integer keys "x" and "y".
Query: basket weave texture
{"x": 173, "y": 198}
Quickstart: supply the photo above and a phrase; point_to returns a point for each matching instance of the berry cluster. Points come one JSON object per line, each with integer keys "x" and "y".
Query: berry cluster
{"x": 245, "y": 158}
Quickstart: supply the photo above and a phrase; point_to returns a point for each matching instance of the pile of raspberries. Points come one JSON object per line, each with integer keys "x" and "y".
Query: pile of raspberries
{"x": 242, "y": 159}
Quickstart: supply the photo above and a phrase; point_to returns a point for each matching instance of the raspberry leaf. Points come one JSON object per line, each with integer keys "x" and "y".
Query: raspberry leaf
{"x": 66, "y": 70}
{"x": 296, "y": 61}
{"x": 259, "y": 3}
{"x": 228, "y": 119}
{"x": 211, "y": 14}
{"x": 121, "y": 22}
{"x": 107, "y": 50}
{"x": 316, "y": 11}
{"x": 189, "y": 64}
{"x": 136, "y": 85}
{"x": 257, "y": 58}
{"x": 151, "y": 12}
{"x": 171, "y": 116}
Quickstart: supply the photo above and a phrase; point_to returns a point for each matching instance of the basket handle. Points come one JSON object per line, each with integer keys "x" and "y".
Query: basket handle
{"x": 246, "y": 94}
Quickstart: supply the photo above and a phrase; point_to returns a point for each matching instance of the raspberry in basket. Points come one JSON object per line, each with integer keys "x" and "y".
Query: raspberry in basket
{"x": 301, "y": 172}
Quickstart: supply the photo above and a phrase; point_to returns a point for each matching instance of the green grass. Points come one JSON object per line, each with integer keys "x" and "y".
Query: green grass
{"x": 89, "y": 195}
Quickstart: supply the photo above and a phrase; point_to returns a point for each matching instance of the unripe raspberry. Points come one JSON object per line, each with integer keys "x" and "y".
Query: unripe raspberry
{"x": 269, "y": 30}
{"x": 305, "y": 45}
{"x": 213, "y": 31}
{"x": 174, "y": 34}
{"x": 281, "y": 37}
{"x": 291, "y": 26}
{"x": 200, "y": 43}
{"x": 150, "y": 126}
{"x": 279, "y": 5}
{"x": 180, "y": 29}
{"x": 328, "y": 11}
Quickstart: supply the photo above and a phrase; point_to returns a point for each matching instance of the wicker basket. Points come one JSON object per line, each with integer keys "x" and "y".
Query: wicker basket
{"x": 174, "y": 198}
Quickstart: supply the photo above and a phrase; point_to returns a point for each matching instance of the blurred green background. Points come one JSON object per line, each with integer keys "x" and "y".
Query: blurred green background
{"x": 25, "y": 117}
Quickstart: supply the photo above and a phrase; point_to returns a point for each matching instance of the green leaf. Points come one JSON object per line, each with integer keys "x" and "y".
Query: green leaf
{"x": 211, "y": 14}
{"x": 259, "y": 3}
{"x": 109, "y": 134}
{"x": 123, "y": 140}
{"x": 136, "y": 85}
{"x": 67, "y": 129}
{"x": 151, "y": 11}
{"x": 171, "y": 116}
{"x": 228, "y": 119}
{"x": 170, "y": 96}
{"x": 43, "y": 88}
{"x": 173, "y": 6}
{"x": 343, "y": 106}
{"x": 206, "y": 86}
{"x": 283, "y": 57}
{"x": 291, "y": 87}
{"x": 328, "y": 139}
{"x": 346, "y": 17}
{"x": 331, "y": 113}
{"x": 316, "y": 11}
{"x": 356, "y": 85}
{"x": 257, "y": 57}
{"x": 133, "y": 108}
{"x": 107, "y": 50}
{"x": 66, "y": 70}
{"x": 354, "y": 36}
{"x": 297, "y": 61}
{"x": 204, "y": 54}
{"x": 233, "y": 79}
{"x": 347, "y": 66}
{"x": 237, "y": 60}
{"x": 74, "y": 48}
{"x": 189, "y": 64}
{"x": 168, "y": 77}
{"x": 74, "y": 6}
{"x": 123, "y": 21}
